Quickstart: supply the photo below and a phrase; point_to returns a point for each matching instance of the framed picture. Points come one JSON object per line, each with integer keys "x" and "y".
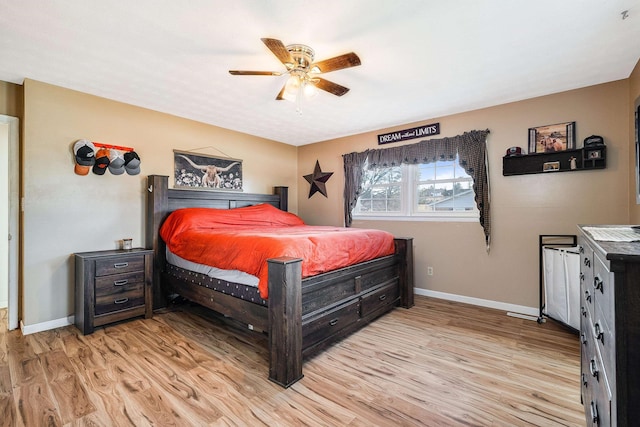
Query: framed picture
{"x": 550, "y": 138}
{"x": 595, "y": 154}
{"x": 551, "y": 166}
{"x": 206, "y": 172}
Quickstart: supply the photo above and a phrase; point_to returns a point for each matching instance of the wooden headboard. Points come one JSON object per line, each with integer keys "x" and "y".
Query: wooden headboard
{"x": 161, "y": 201}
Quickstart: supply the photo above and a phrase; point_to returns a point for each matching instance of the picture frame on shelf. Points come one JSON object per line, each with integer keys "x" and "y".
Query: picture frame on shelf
{"x": 552, "y": 138}
{"x": 594, "y": 154}
{"x": 205, "y": 172}
{"x": 551, "y": 166}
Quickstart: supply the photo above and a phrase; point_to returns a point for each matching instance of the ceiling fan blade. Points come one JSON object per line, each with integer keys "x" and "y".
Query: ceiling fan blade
{"x": 254, "y": 73}
{"x": 339, "y": 62}
{"x": 280, "y": 96}
{"x": 279, "y": 50}
{"x": 330, "y": 87}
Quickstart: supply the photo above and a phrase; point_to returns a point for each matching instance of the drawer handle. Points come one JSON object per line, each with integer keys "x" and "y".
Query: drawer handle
{"x": 120, "y": 300}
{"x": 121, "y": 265}
{"x": 581, "y": 277}
{"x": 333, "y": 322}
{"x": 587, "y": 296}
{"x": 587, "y": 262}
{"x": 382, "y": 297}
{"x": 598, "y": 284}
{"x": 581, "y": 249}
{"x": 584, "y": 380}
{"x": 584, "y": 311}
{"x": 593, "y": 368}
{"x": 594, "y": 413}
{"x": 120, "y": 282}
{"x": 598, "y": 333}
{"x": 583, "y": 338}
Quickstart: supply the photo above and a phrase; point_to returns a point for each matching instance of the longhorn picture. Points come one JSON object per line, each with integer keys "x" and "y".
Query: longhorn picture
{"x": 206, "y": 171}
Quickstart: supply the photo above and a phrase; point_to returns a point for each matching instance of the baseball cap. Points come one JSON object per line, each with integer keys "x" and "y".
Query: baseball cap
{"x": 593, "y": 140}
{"x": 514, "y": 151}
{"x": 132, "y": 163}
{"x": 84, "y": 152}
{"x": 102, "y": 161}
{"x": 81, "y": 170}
{"x": 116, "y": 163}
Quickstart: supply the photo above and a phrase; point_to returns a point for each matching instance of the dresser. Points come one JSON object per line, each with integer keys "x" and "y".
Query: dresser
{"x": 609, "y": 331}
{"x": 111, "y": 286}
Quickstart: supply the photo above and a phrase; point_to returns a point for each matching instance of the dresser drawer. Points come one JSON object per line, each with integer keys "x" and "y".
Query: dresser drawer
{"x": 586, "y": 262}
{"x": 324, "y": 325}
{"x": 603, "y": 290}
{"x": 604, "y": 337}
{"x": 119, "y": 264}
{"x": 598, "y": 408}
{"x": 379, "y": 300}
{"x": 127, "y": 297}
{"x": 587, "y": 300}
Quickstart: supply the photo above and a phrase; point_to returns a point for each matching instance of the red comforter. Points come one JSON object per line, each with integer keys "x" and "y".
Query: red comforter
{"x": 244, "y": 238}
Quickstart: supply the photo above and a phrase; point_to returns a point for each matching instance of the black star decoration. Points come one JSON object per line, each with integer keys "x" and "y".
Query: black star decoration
{"x": 318, "y": 180}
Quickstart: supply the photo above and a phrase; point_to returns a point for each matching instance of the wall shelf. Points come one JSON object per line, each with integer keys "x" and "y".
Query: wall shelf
{"x": 588, "y": 158}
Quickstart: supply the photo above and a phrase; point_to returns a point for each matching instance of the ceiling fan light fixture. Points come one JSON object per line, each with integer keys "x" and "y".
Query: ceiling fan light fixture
{"x": 310, "y": 90}
{"x": 292, "y": 87}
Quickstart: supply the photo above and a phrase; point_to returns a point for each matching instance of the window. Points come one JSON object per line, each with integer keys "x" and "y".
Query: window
{"x": 440, "y": 190}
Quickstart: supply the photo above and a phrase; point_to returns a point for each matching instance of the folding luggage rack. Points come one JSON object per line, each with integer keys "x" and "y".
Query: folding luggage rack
{"x": 556, "y": 241}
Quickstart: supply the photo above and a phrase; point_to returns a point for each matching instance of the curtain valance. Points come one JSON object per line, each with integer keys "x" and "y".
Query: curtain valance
{"x": 470, "y": 147}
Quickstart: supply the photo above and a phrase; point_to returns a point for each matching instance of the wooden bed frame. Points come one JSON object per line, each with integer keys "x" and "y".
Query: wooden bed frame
{"x": 302, "y": 316}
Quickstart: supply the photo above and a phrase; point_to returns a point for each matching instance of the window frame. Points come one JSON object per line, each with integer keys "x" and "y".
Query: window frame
{"x": 408, "y": 200}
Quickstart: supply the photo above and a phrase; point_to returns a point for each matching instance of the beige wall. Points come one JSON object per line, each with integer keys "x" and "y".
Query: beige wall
{"x": 634, "y": 97}
{"x": 10, "y": 99}
{"x": 522, "y": 207}
{"x": 66, "y": 213}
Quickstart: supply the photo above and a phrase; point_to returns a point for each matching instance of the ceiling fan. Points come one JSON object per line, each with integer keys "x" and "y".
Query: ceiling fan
{"x": 298, "y": 59}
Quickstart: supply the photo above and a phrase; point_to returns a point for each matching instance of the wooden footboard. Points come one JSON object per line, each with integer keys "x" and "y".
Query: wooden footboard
{"x": 303, "y": 316}
{"x": 307, "y": 315}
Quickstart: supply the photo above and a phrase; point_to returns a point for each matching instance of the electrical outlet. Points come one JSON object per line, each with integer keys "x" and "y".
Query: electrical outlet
{"x": 429, "y": 271}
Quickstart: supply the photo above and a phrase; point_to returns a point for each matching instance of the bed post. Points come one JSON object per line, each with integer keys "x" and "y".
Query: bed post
{"x": 157, "y": 210}
{"x": 404, "y": 252}
{"x": 283, "y": 192}
{"x": 285, "y": 320}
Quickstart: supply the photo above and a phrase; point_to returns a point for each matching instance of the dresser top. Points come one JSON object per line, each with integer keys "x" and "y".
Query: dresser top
{"x": 620, "y": 251}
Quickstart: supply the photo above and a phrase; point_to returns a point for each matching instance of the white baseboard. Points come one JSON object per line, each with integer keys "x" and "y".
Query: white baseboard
{"x": 45, "y": 326}
{"x": 521, "y": 309}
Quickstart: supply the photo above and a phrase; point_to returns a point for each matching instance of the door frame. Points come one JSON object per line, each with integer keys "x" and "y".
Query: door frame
{"x": 14, "y": 218}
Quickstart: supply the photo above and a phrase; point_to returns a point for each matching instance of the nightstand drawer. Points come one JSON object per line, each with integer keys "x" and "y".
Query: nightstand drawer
{"x": 119, "y": 264}
{"x": 117, "y": 283}
{"x": 132, "y": 296}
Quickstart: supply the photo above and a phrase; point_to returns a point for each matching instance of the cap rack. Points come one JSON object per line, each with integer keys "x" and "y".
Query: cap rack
{"x": 112, "y": 147}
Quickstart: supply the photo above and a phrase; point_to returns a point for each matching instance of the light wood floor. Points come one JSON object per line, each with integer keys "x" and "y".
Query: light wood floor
{"x": 439, "y": 363}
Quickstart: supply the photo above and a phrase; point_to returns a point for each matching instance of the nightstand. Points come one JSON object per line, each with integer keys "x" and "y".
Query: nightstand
{"x": 111, "y": 286}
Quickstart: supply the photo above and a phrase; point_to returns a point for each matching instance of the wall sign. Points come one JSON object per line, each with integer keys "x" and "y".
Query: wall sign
{"x": 403, "y": 135}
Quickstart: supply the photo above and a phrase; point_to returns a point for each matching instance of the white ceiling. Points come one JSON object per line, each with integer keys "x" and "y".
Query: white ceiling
{"x": 420, "y": 58}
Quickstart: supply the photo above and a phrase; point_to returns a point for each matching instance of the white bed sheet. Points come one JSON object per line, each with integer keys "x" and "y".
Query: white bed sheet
{"x": 234, "y": 276}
